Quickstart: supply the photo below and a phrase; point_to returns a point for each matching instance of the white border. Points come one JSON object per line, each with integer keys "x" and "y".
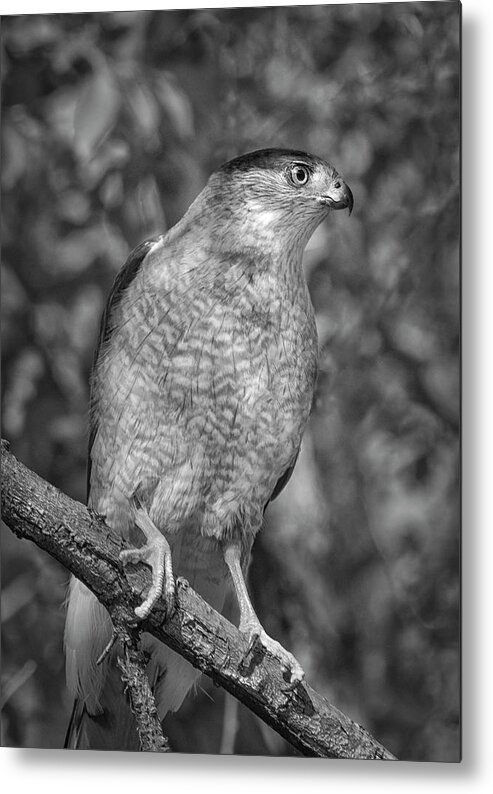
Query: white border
{"x": 58, "y": 6}
{"x": 52, "y": 771}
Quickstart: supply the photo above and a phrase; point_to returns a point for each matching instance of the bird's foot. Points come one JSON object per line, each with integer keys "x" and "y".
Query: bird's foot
{"x": 293, "y": 672}
{"x": 157, "y": 554}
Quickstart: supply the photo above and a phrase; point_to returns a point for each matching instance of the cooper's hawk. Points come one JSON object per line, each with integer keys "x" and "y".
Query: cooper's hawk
{"x": 201, "y": 389}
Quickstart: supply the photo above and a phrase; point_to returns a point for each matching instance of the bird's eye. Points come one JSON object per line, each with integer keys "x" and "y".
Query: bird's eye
{"x": 299, "y": 175}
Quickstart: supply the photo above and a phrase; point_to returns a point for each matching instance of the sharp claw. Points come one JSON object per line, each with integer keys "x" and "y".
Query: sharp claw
{"x": 170, "y": 604}
{"x": 254, "y": 638}
{"x": 292, "y": 671}
{"x": 169, "y": 595}
{"x": 144, "y": 609}
{"x": 157, "y": 554}
{"x": 296, "y": 677}
{"x": 249, "y": 655}
{"x": 130, "y": 555}
{"x": 155, "y": 592}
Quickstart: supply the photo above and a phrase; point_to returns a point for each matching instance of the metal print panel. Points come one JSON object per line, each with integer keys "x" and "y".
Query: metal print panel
{"x": 230, "y": 332}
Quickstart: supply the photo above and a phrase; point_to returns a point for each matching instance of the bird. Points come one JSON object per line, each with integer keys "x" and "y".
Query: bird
{"x": 202, "y": 385}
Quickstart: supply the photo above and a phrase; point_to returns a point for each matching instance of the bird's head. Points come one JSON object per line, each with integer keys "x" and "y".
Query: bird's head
{"x": 285, "y": 177}
{"x": 268, "y": 202}
{"x": 277, "y": 194}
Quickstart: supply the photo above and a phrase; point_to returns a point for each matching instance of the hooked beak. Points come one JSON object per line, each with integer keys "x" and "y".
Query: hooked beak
{"x": 339, "y": 197}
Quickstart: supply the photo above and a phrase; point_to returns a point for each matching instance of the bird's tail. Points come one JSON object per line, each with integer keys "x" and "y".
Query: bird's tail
{"x": 88, "y": 630}
{"x": 101, "y": 717}
{"x": 112, "y": 729}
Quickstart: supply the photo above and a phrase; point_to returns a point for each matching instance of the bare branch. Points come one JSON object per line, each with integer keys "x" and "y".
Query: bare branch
{"x": 132, "y": 670}
{"x": 82, "y": 542}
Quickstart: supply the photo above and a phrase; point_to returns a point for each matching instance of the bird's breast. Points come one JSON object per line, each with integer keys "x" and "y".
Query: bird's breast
{"x": 203, "y": 399}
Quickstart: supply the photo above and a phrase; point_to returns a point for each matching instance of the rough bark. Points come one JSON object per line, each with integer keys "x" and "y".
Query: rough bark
{"x": 82, "y": 542}
{"x": 132, "y": 669}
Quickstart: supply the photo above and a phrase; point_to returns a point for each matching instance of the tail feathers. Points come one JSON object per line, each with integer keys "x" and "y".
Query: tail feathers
{"x": 170, "y": 675}
{"x": 73, "y": 735}
{"x": 88, "y": 629}
{"x": 113, "y": 728}
{"x": 102, "y": 718}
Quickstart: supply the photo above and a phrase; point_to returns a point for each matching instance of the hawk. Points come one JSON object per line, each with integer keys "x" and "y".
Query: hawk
{"x": 201, "y": 388}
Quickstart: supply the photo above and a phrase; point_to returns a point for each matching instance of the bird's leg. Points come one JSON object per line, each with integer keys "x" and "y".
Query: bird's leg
{"x": 157, "y": 554}
{"x": 249, "y": 622}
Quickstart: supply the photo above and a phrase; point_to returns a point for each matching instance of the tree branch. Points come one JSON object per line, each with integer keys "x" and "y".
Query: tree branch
{"x": 142, "y": 703}
{"x": 82, "y": 542}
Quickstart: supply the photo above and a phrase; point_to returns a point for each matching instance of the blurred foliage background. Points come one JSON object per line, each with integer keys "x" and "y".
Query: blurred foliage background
{"x": 111, "y": 124}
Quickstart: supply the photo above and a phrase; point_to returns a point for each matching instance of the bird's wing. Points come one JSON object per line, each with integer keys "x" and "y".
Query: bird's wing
{"x": 122, "y": 281}
{"x": 283, "y": 480}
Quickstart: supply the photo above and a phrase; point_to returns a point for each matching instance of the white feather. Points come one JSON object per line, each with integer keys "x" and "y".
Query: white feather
{"x": 88, "y": 630}
{"x": 171, "y": 676}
